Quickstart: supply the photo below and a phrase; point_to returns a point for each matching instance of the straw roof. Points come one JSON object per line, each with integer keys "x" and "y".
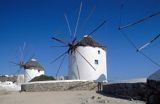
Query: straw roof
{"x": 89, "y": 41}
{"x": 33, "y": 64}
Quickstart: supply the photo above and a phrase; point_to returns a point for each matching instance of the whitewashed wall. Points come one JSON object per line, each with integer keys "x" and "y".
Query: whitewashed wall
{"x": 86, "y": 72}
{"x": 31, "y": 73}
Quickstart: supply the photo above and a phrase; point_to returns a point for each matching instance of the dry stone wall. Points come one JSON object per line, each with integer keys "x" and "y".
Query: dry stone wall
{"x": 153, "y": 92}
{"x": 59, "y": 86}
{"x": 127, "y": 90}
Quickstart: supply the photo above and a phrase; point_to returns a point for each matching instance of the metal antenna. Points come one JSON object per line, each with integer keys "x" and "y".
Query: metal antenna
{"x": 80, "y": 8}
{"x": 68, "y": 25}
{"x": 139, "y": 21}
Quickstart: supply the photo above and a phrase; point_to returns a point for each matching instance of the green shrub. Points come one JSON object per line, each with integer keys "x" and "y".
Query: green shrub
{"x": 43, "y": 78}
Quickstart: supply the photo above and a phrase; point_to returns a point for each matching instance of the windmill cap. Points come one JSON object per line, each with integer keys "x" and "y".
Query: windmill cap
{"x": 33, "y": 64}
{"x": 85, "y": 36}
{"x": 87, "y": 40}
{"x": 33, "y": 59}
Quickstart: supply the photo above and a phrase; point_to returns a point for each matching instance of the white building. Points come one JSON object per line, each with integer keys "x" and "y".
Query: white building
{"x": 32, "y": 69}
{"x": 20, "y": 78}
{"x": 87, "y": 61}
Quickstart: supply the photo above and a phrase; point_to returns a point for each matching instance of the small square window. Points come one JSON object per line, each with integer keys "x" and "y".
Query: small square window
{"x": 96, "y": 62}
{"x": 99, "y": 52}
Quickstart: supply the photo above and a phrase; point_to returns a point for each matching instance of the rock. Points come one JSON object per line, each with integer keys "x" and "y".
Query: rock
{"x": 98, "y": 97}
{"x": 92, "y": 97}
{"x": 101, "y": 101}
{"x": 153, "y": 92}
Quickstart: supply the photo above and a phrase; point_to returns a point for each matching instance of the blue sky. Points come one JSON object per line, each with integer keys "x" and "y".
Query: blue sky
{"x": 36, "y": 21}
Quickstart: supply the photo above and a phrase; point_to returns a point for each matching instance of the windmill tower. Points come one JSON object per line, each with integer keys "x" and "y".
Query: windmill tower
{"x": 87, "y": 61}
{"x": 86, "y": 58}
{"x": 31, "y": 68}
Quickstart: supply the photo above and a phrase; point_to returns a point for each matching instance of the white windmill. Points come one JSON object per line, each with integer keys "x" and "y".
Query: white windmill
{"x": 87, "y": 61}
{"x": 31, "y": 68}
{"x": 86, "y": 58}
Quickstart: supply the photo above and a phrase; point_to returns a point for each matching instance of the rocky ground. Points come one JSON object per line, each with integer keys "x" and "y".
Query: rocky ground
{"x": 61, "y": 97}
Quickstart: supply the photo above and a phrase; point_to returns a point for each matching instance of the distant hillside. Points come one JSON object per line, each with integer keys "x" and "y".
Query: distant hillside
{"x": 4, "y": 78}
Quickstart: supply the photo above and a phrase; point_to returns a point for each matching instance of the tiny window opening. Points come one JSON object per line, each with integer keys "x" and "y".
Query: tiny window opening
{"x": 99, "y": 52}
{"x": 96, "y": 62}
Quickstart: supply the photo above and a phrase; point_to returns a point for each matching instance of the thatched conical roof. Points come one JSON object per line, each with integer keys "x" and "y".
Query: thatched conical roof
{"x": 89, "y": 41}
{"x": 33, "y": 64}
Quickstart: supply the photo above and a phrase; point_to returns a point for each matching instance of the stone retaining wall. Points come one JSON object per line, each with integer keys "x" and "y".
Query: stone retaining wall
{"x": 153, "y": 92}
{"x": 128, "y": 90}
{"x": 59, "y": 86}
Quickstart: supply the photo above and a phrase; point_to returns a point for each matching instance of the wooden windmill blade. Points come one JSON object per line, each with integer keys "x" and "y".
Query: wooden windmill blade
{"x": 22, "y": 53}
{"x": 59, "y": 56}
{"x": 68, "y": 25}
{"x": 87, "y": 18}
{"x": 12, "y": 62}
{"x": 60, "y": 40}
{"x": 98, "y": 27}
{"x": 59, "y": 46}
{"x": 148, "y": 43}
{"x": 139, "y": 21}
{"x": 77, "y": 22}
{"x": 60, "y": 65}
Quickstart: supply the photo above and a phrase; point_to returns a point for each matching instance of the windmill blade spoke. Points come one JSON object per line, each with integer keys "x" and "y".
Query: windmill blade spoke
{"x": 21, "y": 54}
{"x": 98, "y": 27}
{"x": 60, "y": 40}
{"x": 90, "y": 14}
{"x": 14, "y": 63}
{"x": 74, "y": 40}
{"x": 148, "y": 43}
{"x": 28, "y": 75}
{"x": 85, "y": 59}
{"x": 24, "y": 46}
{"x": 31, "y": 57}
{"x": 80, "y": 8}
{"x": 83, "y": 25}
{"x": 59, "y": 46}
{"x": 17, "y": 72}
{"x": 59, "y": 68}
{"x": 59, "y": 57}
{"x": 139, "y": 21}
{"x": 68, "y": 25}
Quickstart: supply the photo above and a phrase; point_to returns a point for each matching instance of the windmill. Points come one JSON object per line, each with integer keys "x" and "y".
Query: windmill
{"x": 31, "y": 67}
{"x": 86, "y": 57}
{"x": 140, "y": 49}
